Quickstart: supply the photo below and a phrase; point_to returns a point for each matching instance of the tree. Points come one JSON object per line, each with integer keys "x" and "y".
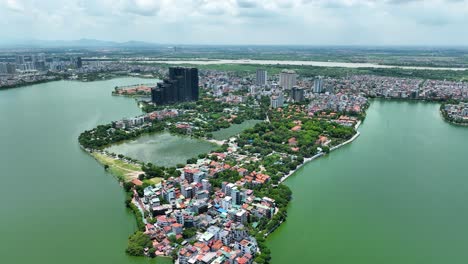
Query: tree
{"x": 192, "y": 161}
{"x": 137, "y": 244}
{"x": 128, "y": 186}
{"x": 172, "y": 238}
{"x": 152, "y": 252}
{"x": 189, "y": 232}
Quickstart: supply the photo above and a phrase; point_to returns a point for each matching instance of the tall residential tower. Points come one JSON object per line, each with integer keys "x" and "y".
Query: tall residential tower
{"x": 261, "y": 77}
{"x": 318, "y": 85}
{"x": 181, "y": 86}
{"x": 288, "y": 79}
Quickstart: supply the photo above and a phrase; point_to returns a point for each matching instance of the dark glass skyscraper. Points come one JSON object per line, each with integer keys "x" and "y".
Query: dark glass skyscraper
{"x": 297, "y": 94}
{"x": 79, "y": 62}
{"x": 182, "y": 86}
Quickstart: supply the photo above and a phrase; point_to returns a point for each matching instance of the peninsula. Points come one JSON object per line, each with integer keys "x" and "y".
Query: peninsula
{"x": 221, "y": 205}
{"x": 229, "y": 199}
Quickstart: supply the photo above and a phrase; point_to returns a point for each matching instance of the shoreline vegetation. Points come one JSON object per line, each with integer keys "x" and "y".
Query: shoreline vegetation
{"x": 321, "y": 154}
{"x": 81, "y": 78}
{"x": 123, "y": 170}
{"x": 14, "y": 86}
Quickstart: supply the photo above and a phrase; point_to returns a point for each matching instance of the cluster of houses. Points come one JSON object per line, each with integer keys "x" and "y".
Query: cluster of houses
{"x": 137, "y": 89}
{"x": 221, "y": 82}
{"x": 337, "y": 102}
{"x": 147, "y": 118}
{"x": 348, "y": 121}
{"x": 219, "y": 215}
{"x": 213, "y": 247}
{"x": 232, "y": 99}
{"x": 395, "y": 87}
{"x": 458, "y": 112}
{"x": 344, "y": 120}
{"x": 336, "y": 94}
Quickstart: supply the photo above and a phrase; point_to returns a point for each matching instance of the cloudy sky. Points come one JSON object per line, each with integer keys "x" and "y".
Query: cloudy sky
{"x": 305, "y": 22}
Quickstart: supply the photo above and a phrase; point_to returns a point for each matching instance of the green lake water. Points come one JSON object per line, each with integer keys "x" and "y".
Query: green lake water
{"x": 398, "y": 194}
{"x": 234, "y": 129}
{"x": 57, "y": 203}
{"x": 163, "y": 149}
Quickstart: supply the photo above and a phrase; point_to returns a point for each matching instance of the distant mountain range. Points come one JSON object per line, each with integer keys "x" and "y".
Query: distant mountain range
{"x": 81, "y": 43}
{"x": 95, "y": 44}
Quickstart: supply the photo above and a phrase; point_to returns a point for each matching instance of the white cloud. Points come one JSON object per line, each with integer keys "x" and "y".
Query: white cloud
{"x": 14, "y": 5}
{"x": 312, "y": 22}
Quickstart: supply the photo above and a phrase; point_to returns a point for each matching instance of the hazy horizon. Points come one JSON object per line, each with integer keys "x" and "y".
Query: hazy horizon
{"x": 240, "y": 22}
{"x": 100, "y": 42}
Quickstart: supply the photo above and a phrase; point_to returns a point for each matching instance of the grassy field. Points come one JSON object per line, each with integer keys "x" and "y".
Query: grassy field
{"x": 153, "y": 181}
{"x": 122, "y": 170}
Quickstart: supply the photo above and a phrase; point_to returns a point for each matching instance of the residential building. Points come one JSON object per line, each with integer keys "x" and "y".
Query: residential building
{"x": 79, "y": 62}
{"x": 236, "y": 196}
{"x": 318, "y": 85}
{"x": 241, "y": 216}
{"x": 297, "y": 94}
{"x": 288, "y": 79}
{"x": 261, "y": 77}
{"x": 277, "y": 100}
{"x": 181, "y": 86}
{"x": 3, "y": 68}
{"x": 19, "y": 59}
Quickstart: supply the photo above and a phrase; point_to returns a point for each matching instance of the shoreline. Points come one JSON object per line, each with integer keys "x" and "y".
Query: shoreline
{"x": 316, "y": 156}
{"x": 124, "y": 172}
{"x": 442, "y": 114}
{"x": 331, "y": 64}
{"x": 217, "y": 142}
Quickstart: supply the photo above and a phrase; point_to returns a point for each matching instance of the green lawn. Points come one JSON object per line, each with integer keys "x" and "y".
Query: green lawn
{"x": 153, "y": 181}
{"x": 122, "y": 170}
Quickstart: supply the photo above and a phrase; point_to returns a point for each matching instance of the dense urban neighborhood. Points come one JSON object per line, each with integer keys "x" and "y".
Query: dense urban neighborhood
{"x": 455, "y": 113}
{"x": 37, "y": 68}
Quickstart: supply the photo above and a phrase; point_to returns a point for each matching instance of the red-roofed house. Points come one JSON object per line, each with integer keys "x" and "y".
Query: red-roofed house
{"x": 137, "y": 182}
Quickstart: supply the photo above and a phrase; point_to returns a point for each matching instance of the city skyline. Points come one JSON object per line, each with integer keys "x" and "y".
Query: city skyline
{"x": 240, "y": 22}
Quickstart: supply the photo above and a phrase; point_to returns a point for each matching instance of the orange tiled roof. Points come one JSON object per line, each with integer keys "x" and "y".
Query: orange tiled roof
{"x": 137, "y": 182}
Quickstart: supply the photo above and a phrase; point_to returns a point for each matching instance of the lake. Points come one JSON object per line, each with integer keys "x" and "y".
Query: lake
{"x": 398, "y": 194}
{"x": 163, "y": 149}
{"x": 234, "y": 129}
{"x": 58, "y": 204}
